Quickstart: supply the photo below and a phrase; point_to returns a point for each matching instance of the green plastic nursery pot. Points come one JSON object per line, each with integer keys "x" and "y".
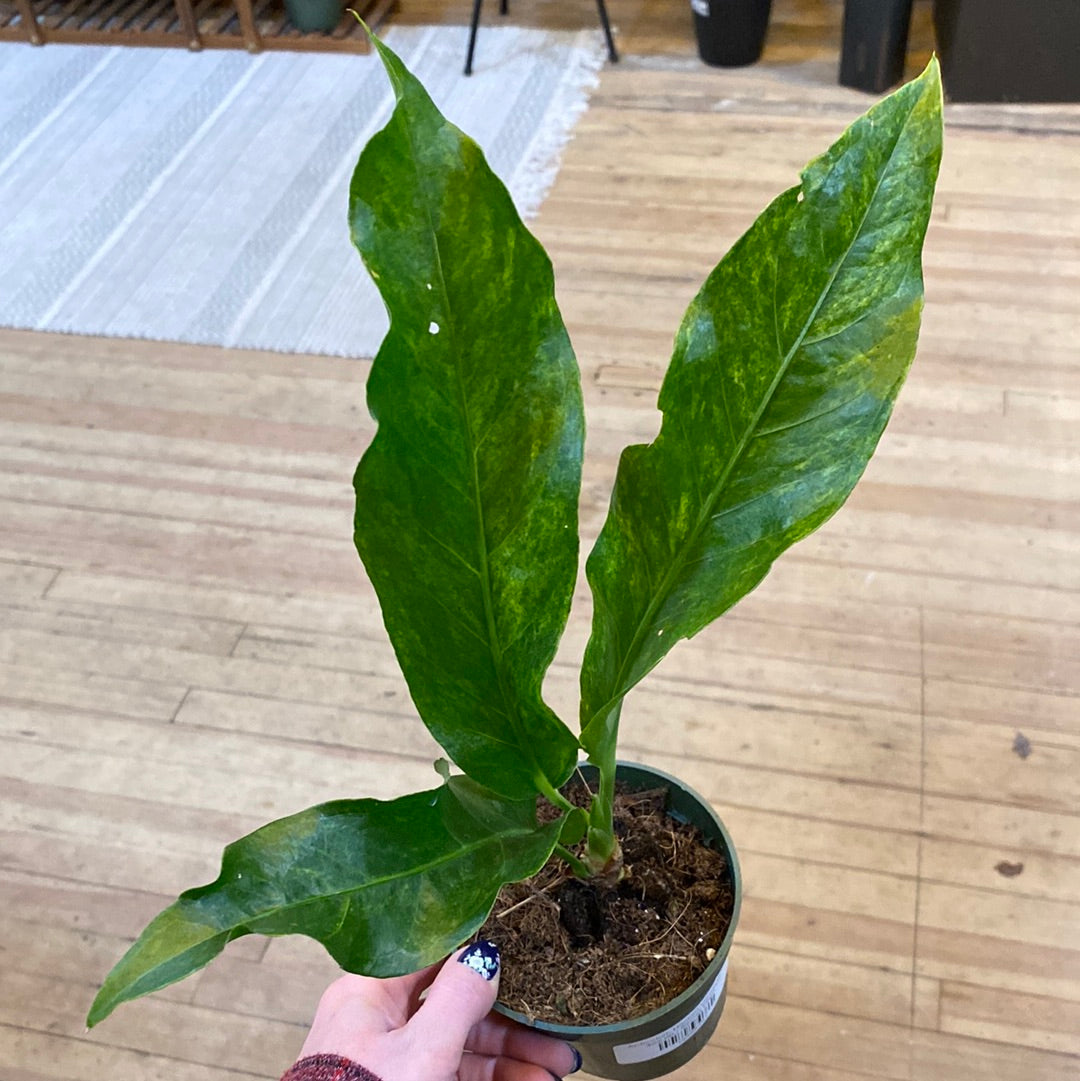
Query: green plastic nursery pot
{"x": 309, "y": 15}
{"x": 656, "y": 1043}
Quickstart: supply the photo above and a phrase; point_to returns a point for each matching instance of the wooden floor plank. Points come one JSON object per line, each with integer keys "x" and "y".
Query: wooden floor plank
{"x": 815, "y": 1038}
{"x": 1015, "y": 869}
{"x": 873, "y": 993}
{"x": 1006, "y": 1017}
{"x": 966, "y": 1059}
{"x": 832, "y": 799}
{"x": 986, "y": 823}
{"x": 153, "y": 1026}
{"x": 218, "y": 637}
{"x": 38, "y": 1056}
{"x": 346, "y": 611}
{"x": 280, "y": 989}
{"x": 25, "y": 581}
{"x": 890, "y": 724}
{"x": 189, "y": 767}
{"x": 976, "y": 760}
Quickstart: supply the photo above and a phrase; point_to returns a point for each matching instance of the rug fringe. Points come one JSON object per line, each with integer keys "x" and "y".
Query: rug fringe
{"x": 536, "y": 174}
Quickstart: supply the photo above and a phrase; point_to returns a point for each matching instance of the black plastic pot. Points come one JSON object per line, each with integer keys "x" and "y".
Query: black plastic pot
{"x": 730, "y": 33}
{"x": 665, "y": 1039}
{"x": 309, "y": 15}
{"x": 1009, "y": 50}
{"x": 874, "y": 43}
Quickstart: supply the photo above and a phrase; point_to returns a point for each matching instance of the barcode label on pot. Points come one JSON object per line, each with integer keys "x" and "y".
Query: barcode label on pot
{"x": 679, "y": 1033}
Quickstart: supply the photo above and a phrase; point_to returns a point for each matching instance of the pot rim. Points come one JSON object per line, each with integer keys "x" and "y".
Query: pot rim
{"x": 712, "y": 970}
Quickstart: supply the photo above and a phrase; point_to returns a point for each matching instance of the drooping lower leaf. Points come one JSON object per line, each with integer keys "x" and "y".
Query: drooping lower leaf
{"x": 386, "y": 887}
{"x": 784, "y": 374}
{"x": 466, "y": 501}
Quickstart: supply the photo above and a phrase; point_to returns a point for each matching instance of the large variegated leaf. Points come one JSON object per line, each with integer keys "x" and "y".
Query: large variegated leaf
{"x": 466, "y": 501}
{"x": 386, "y": 887}
{"x": 784, "y": 374}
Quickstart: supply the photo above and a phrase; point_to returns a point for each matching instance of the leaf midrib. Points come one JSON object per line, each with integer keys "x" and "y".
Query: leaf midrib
{"x": 661, "y": 594}
{"x": 500, "y": 837}
{"x": 510, "y": 709}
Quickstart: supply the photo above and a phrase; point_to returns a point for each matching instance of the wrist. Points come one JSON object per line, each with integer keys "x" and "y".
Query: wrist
{"x": 327, "y": 1068}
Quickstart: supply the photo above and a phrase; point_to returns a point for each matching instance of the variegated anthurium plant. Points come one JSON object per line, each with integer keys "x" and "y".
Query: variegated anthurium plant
{"x": 784, "y": 374}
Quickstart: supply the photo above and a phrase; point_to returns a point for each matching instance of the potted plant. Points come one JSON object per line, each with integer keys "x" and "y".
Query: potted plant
{"x": 784, "y": 373}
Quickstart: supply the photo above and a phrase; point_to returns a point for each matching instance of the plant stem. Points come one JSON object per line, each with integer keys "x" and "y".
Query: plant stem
{"x": 552, "y": 794}
{"x": 603, "y": 854}
{"x": 579, "y": 867}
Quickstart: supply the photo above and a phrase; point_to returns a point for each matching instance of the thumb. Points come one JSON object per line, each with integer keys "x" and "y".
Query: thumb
{"x": 461, "y": 995}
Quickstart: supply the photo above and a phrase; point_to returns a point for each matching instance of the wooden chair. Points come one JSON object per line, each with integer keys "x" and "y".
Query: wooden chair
{"x": 504, "y": 7}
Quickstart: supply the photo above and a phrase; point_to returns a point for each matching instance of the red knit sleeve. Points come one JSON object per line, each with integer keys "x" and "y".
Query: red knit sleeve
{"x": 327, "y": 1068}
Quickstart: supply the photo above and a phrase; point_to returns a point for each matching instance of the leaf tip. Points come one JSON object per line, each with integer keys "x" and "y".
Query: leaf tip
{"x": 391, "y": 62}
{"x": 100, "y": 1008}
{"x": 929, "y": 85}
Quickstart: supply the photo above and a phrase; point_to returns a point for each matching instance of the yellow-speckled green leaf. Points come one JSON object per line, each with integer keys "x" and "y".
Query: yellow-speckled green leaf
{"x": 466, "y": 500}
{"x": 386, "y": 887}
{"x": 783, "y": 377}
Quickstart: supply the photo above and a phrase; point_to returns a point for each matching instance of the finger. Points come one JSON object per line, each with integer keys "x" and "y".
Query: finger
{"x": 501, "y": 1037}
{"x": 460, "y": 996}
{"x": 418, "y": 984}
{"x": 387, "y": 1003}
{"x": 493, "y": 1068}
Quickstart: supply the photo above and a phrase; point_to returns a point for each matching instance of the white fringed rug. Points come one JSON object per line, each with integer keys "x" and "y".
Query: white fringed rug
{"x": 201, "y": 197}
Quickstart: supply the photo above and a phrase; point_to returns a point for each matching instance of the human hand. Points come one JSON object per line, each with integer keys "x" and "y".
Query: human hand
{"x": 451, "y": 1035}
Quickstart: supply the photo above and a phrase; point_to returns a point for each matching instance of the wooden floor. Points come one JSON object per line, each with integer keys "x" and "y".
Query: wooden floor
{"x": 890, "y": 725}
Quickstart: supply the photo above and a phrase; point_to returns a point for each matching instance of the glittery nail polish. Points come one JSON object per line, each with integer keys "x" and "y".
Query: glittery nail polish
{"x": 482, "y": 957}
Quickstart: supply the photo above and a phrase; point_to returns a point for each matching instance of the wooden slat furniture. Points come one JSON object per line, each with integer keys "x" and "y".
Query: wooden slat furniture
{"x": 28, "y": 22}
{"x": 206, "y": 24}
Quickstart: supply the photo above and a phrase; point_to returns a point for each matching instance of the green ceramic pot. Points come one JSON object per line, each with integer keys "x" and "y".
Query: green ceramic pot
{"x": 309, "y": 15}
{"x": 665, "y": 1039}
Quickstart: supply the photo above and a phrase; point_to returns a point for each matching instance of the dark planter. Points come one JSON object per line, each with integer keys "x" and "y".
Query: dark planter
{"x": 730, "y": 33}
{"x": 665, "y": 1039}
{"x": 1009, "y": 50}
{"x": 874, "y": 44}
{"x": 309, "y": 15}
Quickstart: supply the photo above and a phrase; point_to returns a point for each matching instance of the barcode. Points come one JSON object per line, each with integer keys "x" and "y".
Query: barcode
{"x": 679, "y": 1033}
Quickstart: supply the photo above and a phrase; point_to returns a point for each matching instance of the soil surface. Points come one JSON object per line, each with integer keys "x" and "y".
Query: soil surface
{"x": 579, "y": 953}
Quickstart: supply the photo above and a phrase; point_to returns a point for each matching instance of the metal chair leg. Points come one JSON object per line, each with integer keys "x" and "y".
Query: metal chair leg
{"x": 504, "y": 7}
{"x": 612, "y": 54}
{"x": 472, "y": 36}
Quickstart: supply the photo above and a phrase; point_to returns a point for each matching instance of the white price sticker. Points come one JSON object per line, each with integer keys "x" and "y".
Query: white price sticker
{"x": 679, "y": 1033}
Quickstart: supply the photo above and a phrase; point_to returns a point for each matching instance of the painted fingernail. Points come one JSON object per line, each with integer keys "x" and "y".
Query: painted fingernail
{"x": 482, "y": 957}
{"x": 577, "y": 1058}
